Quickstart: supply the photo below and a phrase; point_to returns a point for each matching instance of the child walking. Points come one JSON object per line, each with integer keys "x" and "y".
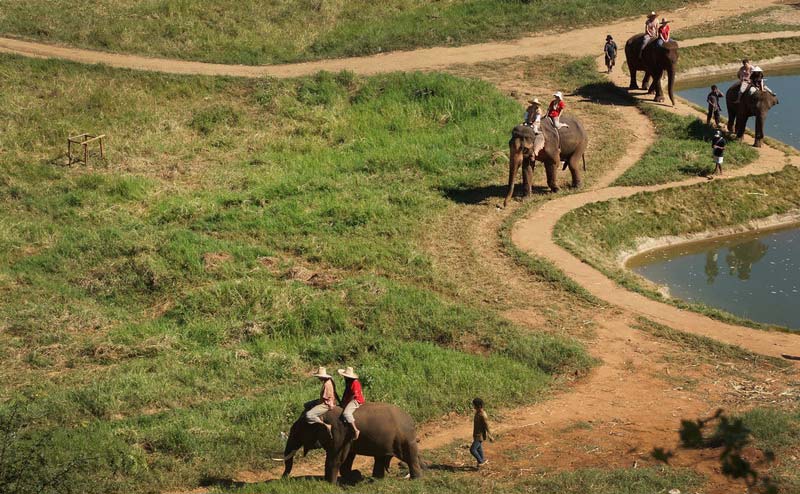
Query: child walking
{"x": 717, "y": 150}
{"x": 480, "y": 432}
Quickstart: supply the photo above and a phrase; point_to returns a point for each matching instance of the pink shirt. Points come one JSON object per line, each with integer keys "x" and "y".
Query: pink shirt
{"x": 327, "y": 395}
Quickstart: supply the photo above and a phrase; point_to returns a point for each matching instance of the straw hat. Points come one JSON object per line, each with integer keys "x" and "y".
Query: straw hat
{"x": 652, "y": 14}
{"x": 664, "y": 21}
{"x": 558, "y": 95}
{"x": 534, "y": 101}
{"x": 322, "y": 372}
{"x": 349, "y": 373}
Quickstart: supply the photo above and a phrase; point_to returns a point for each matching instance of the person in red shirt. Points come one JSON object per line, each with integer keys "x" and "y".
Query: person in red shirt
{"x": 556, "y": 108}
{"x": 353, "y": 397}
{"x": 663, "y": 32}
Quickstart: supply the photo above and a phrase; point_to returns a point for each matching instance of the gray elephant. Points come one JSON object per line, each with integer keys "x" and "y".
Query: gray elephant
{"x": 572, "y": 141}
{"x": 653, "y": 61}
{"x": 386, "y": 432}
{"x": 753, "y": 103}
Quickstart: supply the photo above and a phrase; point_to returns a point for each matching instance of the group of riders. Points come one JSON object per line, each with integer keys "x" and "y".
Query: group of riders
{"x": 328, "y": 399}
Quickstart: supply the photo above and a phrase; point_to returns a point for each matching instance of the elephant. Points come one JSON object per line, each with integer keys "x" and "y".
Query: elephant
{"x": 753, "y": 103}
{"x": 654, "y": 61}
{"x": 573, "y": 140}
{"x": 386, "y": 432}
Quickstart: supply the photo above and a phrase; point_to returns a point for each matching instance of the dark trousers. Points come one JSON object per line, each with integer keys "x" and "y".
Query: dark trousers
{"x": 712, "y": 113}
{"x": 477, "y": 450}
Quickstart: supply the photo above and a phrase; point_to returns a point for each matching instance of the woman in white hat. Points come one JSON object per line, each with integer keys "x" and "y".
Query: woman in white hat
{"x": 556, "y": 108}
{"x": 353, "y": 397}
{"x": 327, "y": 399}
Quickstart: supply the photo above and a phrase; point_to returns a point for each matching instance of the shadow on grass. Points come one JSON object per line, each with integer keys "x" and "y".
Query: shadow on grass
{"x": 451, "y": 468}
{"x": 478, "y": 195}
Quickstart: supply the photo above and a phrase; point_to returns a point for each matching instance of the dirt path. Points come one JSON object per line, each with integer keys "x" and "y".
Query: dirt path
{"x": 579, "y": 42}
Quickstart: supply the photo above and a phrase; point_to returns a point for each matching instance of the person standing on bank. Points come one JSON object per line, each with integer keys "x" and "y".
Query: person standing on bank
{"x": 717, "y": 151}
{"x": 713, "y": 105}
{"x": 352, "y": 399}
{"x": 610, "y": 52}
{"x": 480, "y": 432}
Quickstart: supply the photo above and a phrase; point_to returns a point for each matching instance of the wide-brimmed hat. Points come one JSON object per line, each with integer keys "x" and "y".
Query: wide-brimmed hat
{"x": 757, "y": 69}
{"x": 664, "y": 21}
{"x": 349, "y": 373}
{"x": 608, "y": 37}
{"x": 558, "y": 95}
{"x": 534, "y": 101}
{"x": 322, "y": 372}
{"x": 652, "y": 14}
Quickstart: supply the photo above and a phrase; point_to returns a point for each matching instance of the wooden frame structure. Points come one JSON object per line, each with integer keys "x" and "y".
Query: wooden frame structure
{"x": 84, "y": 140}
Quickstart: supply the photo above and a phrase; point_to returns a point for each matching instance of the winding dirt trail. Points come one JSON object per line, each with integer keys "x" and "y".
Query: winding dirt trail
{"x": 633, "y": 401}
{"x": 579, "y": 42}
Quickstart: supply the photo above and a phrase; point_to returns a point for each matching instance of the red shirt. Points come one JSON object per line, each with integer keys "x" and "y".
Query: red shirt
{"x": 353, "y": 392}
{"x": 555, "y": 108}
{"x": 664, "y": 32}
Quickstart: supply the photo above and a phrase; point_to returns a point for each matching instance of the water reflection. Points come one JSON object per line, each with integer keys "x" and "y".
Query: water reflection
{"x": 756, "y": 276}
{"x": 741, "y": 258}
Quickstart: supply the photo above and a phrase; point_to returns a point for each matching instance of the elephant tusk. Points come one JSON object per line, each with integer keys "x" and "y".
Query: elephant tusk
{"x": 289, "y": 456}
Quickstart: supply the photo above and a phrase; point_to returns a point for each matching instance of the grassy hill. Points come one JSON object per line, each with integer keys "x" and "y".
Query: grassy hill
{"x": 161, "y": 310}
{"x": 279, "y": 31}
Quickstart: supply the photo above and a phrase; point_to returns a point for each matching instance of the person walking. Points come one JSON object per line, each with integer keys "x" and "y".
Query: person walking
{"x": 713, "y": 105}
{"x": 610, "y": 52}
{"x": 480, "y": 432}
{"x": 717, "y": 151}
{"x": 352, "y": 399}
{"x": 327, "y": 400}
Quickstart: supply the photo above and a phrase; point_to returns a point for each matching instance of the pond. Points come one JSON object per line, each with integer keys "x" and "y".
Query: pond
{"x": 782, "y": 122}
{"x": 754, "y": 275}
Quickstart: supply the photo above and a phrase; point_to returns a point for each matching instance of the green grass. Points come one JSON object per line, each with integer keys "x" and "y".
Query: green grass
{"x": 777, "y": 431}
{"x": 252, "y": 32}
{"x": 718, "y": 54}
{"x": 682, "y": 149}
{"x": 149, "y": 307}
{"x": 584, "y": 481}
{"x": 757, "y": 21}
{"x": 599, "y": 233}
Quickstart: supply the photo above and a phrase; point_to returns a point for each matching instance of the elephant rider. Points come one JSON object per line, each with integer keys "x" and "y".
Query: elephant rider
{"x": 757, "y": 80}
{"x": 663, "y": 32}
{"x": 353, "y": 397}
{"x": 555, "y": 110}
{"x": 327, "y": 400}
{"x": 745, "y": 71}
{"x": 533, "y": 118}
{"x": 650, "y": 31}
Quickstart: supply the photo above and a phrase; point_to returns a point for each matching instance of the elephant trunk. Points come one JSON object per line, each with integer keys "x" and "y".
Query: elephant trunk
{"x": 293, "y": 445}
{"x": 671, "y": 84}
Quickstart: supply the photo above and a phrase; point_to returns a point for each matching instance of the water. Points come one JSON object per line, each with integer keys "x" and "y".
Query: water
{"x": 755, "y": 275}
{"x": 782, "y": 121}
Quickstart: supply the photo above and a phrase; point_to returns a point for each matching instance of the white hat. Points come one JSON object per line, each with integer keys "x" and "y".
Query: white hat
{"x": 558, "y": 95}
{"x": 322, "y": 372}
{"x": 348, "y": 373}
{"x": 534, "y": 101}
{"x": 652, "y": 14}
{"x": 757, "y": 69}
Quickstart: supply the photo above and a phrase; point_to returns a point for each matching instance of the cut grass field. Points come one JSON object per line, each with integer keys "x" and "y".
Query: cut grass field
{"x": 682, "y": 148}
{"x": 163, "y": 309}
{"x": 726, "y": 53}
{"x": 251, "y": 32}
{"x": 599, "y": 233}
{"x": 771, "y": 19}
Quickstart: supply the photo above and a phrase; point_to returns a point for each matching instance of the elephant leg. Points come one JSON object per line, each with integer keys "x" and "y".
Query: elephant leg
{"x": 411, "y": 457}
{"x": 759, "y": 131}
{"x": 648, "y": 84}
{"x": 657, "y": 86}
{"x": 574, "y": 169}
{"x": 741, "y": 125}
{"x": 633, "y": 84}
{"x": 731, "y": 119}
{"x": 514, "y": 162}
{"x": 381, "y": 466}
{"x": 550, "y": 171}
{"x": 333, "y": 462}
{"x": 527, "y": 176}
{"x": 347, "y": 465}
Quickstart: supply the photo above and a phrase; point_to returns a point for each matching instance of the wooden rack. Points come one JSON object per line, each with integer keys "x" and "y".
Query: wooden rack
{"x": 84, "y": 140}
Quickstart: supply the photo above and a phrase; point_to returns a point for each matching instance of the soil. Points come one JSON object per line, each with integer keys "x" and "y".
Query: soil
{"x": 634, "y": 399}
